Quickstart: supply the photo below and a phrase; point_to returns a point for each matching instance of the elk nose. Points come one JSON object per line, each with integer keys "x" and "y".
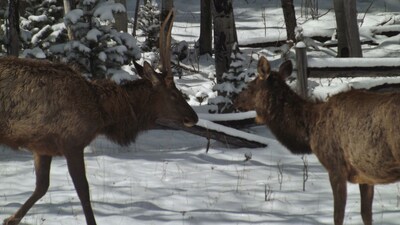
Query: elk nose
{"x": 188, "y": 122}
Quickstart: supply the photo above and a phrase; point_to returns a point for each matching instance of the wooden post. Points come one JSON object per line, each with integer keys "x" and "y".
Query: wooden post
{"x": 301, "y": 61}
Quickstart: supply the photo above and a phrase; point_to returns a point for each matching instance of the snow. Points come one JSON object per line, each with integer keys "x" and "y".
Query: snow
{"x": 119, "y": 75}
{"x": 105, "y": 10}
{"x": 230, "y": 131}
{"x": 35, "y": 52}
{"x": 38, "y": 18}
{"x": 76, "y": 45}
{"x": 73, "y": 16}
{"x": 93, "y": 34}
{"x": 89, "y": 2}
{"x": 120, "y": 49}
{"x": 346, "y": 62}
{"x": 102, "y": 56}
{"x": 127, "y": 40}
{"x": 166, "y": 176}
{"x": 227, "y": 116}
{"x": 36, "y": 37}
{"x": 300, "y": 44}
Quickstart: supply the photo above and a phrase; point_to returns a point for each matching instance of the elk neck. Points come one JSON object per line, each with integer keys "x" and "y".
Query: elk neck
{"x": 127, "y": 109}
{"x": 287, "y": 115}
{"x": 120, "y": 121}
{"x": 141, "y": 93}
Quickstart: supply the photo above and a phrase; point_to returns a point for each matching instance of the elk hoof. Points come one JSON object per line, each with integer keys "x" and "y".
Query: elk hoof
{"x": 11, "y": 221}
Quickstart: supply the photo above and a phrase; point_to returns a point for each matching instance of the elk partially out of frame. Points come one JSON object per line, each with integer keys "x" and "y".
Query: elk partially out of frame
{"x": 354, "y": 134}
{"x": 51, "y": 110}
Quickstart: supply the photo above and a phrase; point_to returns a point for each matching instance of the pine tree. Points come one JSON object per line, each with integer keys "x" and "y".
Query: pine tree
{"x": 149, "y": 24}
{"x": 42, "y": 25}
{"x": 234, "y": 81}
{"x": 2, "y": 29}
{"x": 98, "y": 48}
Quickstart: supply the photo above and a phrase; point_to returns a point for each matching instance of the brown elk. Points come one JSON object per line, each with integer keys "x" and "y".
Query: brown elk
{"x": 51, "y": 110}
{"x": 354, "y": 134}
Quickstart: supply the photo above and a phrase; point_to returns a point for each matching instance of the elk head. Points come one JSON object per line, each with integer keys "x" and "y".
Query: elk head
{"x": 258, "y": 93}
{"x": 171, "y": 107}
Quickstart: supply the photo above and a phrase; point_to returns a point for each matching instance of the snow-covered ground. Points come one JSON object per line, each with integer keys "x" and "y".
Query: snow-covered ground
{"x": 167, "y": 177}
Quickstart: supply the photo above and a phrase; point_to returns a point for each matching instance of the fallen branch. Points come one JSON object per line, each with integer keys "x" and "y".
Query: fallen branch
{"x": 235, "y": 120}
{"x": 227, "y": 135}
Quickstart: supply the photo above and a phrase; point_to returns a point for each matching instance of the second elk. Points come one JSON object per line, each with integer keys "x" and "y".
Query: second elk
{"x": 355, "y": 134}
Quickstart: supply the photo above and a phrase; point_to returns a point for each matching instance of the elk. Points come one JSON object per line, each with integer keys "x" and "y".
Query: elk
{"x": 354, "y": 134}
{"x": 51, "y": 110}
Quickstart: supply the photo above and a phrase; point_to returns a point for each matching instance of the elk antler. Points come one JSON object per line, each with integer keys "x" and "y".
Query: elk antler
{"x": 165, "y": 47}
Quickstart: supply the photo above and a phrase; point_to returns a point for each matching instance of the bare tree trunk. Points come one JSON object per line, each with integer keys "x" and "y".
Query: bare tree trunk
{"x": 224, "y": 37}
{"x": 68, "y": 6}
{"x": 121, "y": 19}
{"x": 290, "y": 19}
{"x": 136, "y": 17}
{"x": 13, "y": 28}
{"x": 205, "y": 40}
{"x": 22, "y": 5}
{"x": 166, "y": 6}
{"x": 3, "y": 4}
{"x": 343, "y": 48}
{"x": 348, "y": 36}
{"x": 352, "y": 32}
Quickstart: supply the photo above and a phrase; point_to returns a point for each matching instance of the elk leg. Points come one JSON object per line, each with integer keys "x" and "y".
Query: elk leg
{"x": 339, "y": 189}
{"x": 367, "y": 196}
{"x": 42, "y": 170}
{"x": 76, "y": 168}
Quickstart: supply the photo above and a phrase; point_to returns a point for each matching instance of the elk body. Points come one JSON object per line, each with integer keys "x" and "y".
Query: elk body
{"x": 354, "y": 134}
{"x": 51, "y": 110}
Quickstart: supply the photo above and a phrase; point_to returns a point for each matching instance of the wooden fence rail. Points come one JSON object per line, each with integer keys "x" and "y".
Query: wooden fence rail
{"x": 341, "y": 67}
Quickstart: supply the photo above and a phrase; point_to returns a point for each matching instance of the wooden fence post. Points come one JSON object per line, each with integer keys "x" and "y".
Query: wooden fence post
{"x": 302, "y": 67}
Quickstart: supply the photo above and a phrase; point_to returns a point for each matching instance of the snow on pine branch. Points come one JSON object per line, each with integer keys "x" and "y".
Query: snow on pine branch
{"x": 93, "y": 34}
{"x": 73, "y": 16}
{"x": 105, "y": 49}
{"x": 40, "y": 18}
{"x": 106, "y": 10}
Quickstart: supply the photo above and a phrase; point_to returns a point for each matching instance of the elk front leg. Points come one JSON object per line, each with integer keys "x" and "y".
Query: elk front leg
{"x": 367, "y": 196}
{"x": 42, "y": 170}
{"x": 339, "y": 189}
{"x": 76, "y": 168}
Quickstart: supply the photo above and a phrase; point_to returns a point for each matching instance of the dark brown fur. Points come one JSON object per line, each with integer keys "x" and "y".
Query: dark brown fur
{"x": 354, "y": 134}
{"x": 51, "y": 110}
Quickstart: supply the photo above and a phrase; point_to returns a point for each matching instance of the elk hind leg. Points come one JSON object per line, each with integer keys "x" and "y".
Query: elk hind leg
{"x": 367, "y": 196}
{"x": 42, "y": 170}
{"x": 339, "y": 189}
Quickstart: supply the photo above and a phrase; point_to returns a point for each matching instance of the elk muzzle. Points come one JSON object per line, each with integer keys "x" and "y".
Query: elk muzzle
{"x": 191, "y": 121}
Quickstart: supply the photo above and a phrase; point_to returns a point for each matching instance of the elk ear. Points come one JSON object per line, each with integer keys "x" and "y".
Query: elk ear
{"x": 150, "y": 75}
{"x": 286, "y": 69}
{"x": 139, "y": 68}
{"x": 263, "y": 68}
